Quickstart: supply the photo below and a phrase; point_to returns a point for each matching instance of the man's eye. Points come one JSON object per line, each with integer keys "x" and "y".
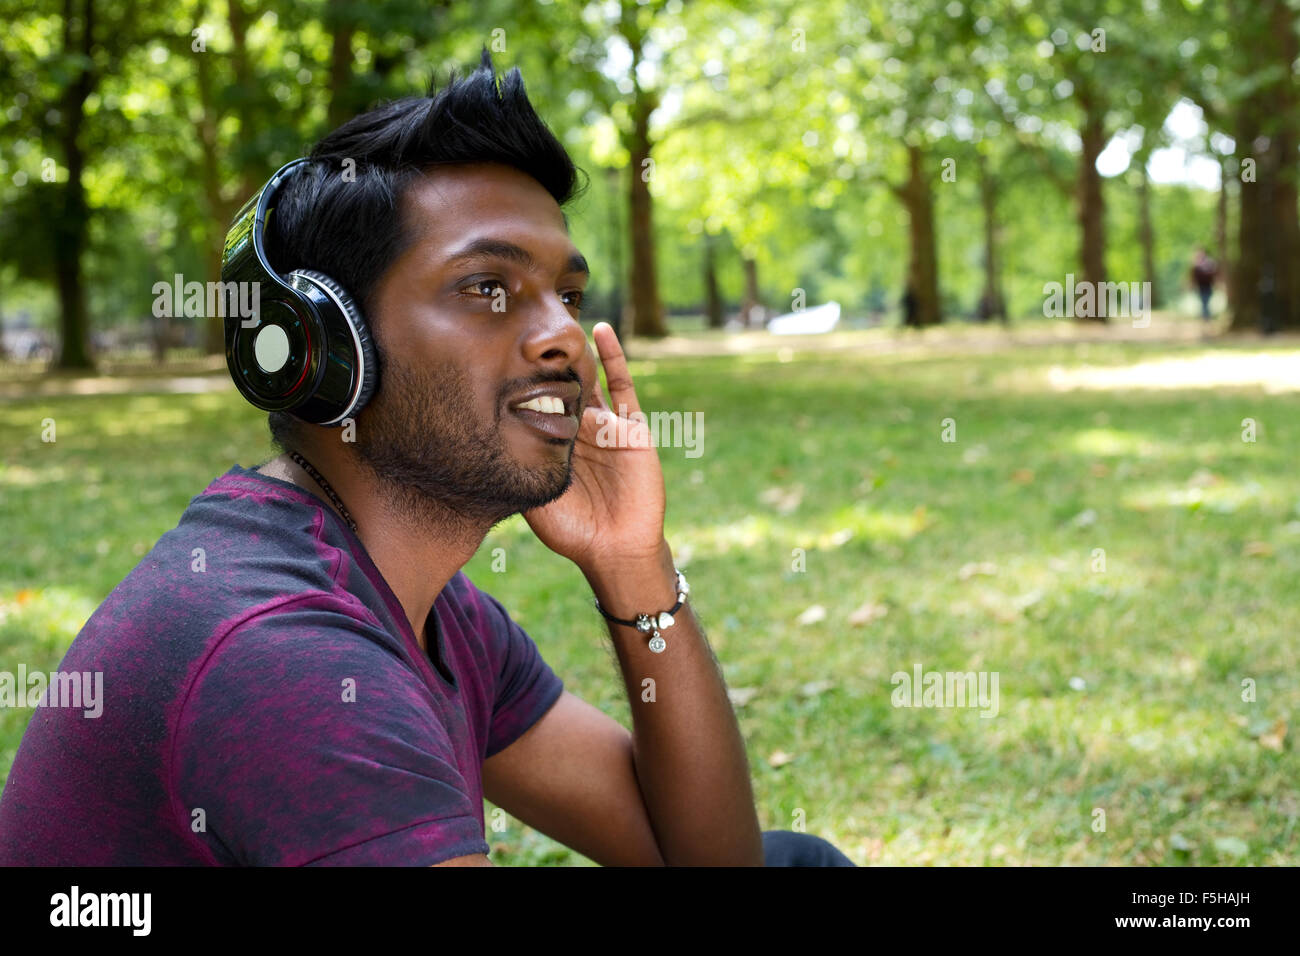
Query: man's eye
{"x": 482, "y": 283}
{"x": 580, "y": 298}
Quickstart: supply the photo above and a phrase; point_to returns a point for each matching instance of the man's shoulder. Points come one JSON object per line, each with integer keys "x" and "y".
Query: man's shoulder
{"x": 485, "y": 613}
{"x": 228, "y": 560}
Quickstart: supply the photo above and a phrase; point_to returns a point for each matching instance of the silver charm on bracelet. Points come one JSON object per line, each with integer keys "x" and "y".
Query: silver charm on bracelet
{"x": 652, "y": 623}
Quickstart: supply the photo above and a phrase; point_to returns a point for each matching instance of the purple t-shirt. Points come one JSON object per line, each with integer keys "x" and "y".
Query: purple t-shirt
{"x": 265, "y": 702}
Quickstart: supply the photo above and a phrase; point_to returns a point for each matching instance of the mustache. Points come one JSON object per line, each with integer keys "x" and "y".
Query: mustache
{"x": 519, "y": 385}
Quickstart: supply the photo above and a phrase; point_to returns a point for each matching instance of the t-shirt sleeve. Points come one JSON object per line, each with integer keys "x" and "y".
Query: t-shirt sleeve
{"x": 526, "y": 687}
{"x": 306, "y": 740}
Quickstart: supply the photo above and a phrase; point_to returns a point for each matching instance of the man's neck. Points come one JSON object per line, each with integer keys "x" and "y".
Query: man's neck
{"x": 417, "y": 545}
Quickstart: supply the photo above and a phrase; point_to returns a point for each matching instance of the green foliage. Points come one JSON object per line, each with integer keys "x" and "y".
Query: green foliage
{"x": 779, "y": 129}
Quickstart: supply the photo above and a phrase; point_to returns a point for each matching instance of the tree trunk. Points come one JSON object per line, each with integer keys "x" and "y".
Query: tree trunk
{"x": 1247, "y": 271}
{"x": 1146, "y": 236}
{"x": 992, "y": 302}
{"x": 647, "y": 309}
{"x": 343, "y": 25}
{"x": 71, "y": 230}
{"x": 713, "y": 310}
{"x": 1284, "y": 233}
{"x": 1267, "y": 275}
{"x": 220, "y": 209}
{"x": 1091, "y": 203}
{"x": 616, "y": 254}
{"x": 1282, "y": 146}
{"x": 1226, "y": 267}
{"x": 752, "y": 308}
{"x": 923, "y": 263}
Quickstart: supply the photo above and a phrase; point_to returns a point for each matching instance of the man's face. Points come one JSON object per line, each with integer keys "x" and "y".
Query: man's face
{"x": 442, "y": 424}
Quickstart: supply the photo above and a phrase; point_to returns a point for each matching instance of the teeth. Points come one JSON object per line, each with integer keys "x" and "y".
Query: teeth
{"x": 548, "y": 404}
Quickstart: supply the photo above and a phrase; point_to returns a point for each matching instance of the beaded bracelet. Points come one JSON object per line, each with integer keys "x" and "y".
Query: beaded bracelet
{"x": 651, "y": 623}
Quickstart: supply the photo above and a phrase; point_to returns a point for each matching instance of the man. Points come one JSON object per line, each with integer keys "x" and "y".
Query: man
{"x": 1204, "y": 271}
{"x": 300, "y": 673}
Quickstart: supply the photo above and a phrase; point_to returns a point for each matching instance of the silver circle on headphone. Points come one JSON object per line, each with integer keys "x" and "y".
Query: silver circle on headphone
{"x": 271, "y": 348}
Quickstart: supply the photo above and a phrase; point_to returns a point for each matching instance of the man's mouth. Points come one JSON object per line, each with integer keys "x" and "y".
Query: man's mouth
{"x": 551, "y": 410}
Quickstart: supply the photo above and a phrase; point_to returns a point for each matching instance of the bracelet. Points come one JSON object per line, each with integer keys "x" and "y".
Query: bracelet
{"x": 651, "y": 623}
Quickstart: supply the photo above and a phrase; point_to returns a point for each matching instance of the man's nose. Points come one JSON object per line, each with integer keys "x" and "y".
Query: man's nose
{"x": 555, "y": 336}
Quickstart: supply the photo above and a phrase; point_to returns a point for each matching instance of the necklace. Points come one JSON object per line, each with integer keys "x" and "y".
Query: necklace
{"x": 325, "y": 487}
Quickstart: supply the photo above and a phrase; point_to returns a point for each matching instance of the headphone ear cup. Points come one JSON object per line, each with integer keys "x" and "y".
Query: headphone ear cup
{"x": 369, "y": 357}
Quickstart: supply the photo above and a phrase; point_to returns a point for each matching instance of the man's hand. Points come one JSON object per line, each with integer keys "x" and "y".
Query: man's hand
{"x": 613, "y": 513}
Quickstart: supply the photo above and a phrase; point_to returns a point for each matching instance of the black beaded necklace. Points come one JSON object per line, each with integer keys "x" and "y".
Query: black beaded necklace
{"x": 307, "y": 466}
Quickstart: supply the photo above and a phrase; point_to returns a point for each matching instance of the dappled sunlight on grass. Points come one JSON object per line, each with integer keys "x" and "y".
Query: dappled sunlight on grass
{"x": 20, "y": 476}
{"x": 1273, "y": 371}
{"x": 1212, "y": 492}
{"x": 777, "y": 533}
{"x": 42, "y": 617}
{"x": 1114, "y": 442}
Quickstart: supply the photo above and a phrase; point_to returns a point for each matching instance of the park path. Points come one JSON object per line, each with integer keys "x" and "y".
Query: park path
{"x": 209, "y": 374}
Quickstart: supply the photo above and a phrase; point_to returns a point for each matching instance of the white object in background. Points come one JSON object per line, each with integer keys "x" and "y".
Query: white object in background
{"x": 808, "y": 322}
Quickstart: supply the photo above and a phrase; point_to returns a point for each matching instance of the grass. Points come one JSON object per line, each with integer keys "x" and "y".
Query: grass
{"x": 1122, "y": 559}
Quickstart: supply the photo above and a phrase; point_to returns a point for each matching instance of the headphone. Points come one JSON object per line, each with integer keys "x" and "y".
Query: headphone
{"x": 306, "y": 348}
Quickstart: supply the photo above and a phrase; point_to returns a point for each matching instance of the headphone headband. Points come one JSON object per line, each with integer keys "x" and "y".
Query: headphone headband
{"x": 264, "y": 199}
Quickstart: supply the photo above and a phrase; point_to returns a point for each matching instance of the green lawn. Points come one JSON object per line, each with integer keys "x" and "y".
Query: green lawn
{"x": 1120, "y": 689}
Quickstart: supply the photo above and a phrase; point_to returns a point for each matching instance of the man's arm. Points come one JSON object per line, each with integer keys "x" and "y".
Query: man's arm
{"x": 687, "y": 747}
{"x": 675, "y": 792}
{"x": 572, "y": 776}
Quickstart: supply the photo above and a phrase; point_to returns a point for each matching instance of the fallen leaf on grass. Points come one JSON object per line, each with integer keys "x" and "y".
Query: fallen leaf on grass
{"x": 813, "y": 615}
{"x": 836, "y": 539}
{"x": 968, "y": 571}
{"x": 1022, "y": 476}
{"x": 784, "y": 500}
{"x": 867, "y": 613}
{"x": 1257, "y": 549}
{"x": 1027, "y": 600}
{"x": 740, "y": 696}
{"x": 1084, "y": 519}
{"x": 1000, "y": 611}
{"x": 1231, "y": 846}
{"x": 779, "y": 758}
{"x": 816, "y": 687}
{"x": 1274, "y": 739}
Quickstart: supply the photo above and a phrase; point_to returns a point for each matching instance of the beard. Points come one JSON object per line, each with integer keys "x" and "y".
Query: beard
{"x": 437, "y": 462}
